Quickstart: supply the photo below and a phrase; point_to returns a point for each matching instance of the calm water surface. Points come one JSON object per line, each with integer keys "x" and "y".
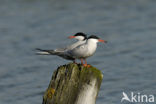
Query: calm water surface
{"x": 128, "y": 61}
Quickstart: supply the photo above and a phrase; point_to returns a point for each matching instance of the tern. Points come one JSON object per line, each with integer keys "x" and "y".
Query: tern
{"x": 85, "y": 50}
{"x": 62, "y": 52}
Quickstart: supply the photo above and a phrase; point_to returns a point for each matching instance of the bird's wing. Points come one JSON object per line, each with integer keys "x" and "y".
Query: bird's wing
{"x": 78, "y": 51}
{"x": 70, "y": 47}
{"x": 78, "y": 43}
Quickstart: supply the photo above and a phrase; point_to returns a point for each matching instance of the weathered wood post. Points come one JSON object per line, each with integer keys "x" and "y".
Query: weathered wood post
{"x": 73, "y": 84}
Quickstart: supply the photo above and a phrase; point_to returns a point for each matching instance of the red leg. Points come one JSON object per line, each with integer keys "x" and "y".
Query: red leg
{"x": 82, "y": 61}
{"x": 86, "y": 63}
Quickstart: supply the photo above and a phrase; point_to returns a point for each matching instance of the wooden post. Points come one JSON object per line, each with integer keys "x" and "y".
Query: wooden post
{"x": 73, "y": 84}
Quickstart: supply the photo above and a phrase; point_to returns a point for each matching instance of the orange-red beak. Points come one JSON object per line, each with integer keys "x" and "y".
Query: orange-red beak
{"x": 70, "y": 37}
{"x": 103, "y": 41}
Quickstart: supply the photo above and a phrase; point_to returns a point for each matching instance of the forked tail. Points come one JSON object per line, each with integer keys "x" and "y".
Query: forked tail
{"x": 54, "y": 52}
{"x": 45, "y": 52}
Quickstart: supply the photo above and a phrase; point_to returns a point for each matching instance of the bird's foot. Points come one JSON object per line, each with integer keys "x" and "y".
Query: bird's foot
{"x": 86, "y": 65}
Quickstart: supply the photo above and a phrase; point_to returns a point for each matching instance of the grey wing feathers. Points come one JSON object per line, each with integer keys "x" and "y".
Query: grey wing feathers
{"x": 54, "y": 52}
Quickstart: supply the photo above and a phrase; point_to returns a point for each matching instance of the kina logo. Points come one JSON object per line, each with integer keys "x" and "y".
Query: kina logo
{"x": 137, "y": 97}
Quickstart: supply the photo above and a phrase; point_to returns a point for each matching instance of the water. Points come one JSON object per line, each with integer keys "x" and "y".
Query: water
{"x": 127, "y": 61}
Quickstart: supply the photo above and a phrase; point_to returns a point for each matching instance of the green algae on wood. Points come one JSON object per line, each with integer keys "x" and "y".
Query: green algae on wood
{"x": 71, "y": 82}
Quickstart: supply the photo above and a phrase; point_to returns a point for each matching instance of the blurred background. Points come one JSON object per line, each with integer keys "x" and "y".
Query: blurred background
{"x": 128, "y": 61}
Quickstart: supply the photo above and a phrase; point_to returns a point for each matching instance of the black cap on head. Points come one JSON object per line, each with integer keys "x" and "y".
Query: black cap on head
{"x": 81, "y": 34}
{"x": 93, "y": 37}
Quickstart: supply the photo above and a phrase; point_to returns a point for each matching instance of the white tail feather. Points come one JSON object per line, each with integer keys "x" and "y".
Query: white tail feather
{"x": 42, "y": 53}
